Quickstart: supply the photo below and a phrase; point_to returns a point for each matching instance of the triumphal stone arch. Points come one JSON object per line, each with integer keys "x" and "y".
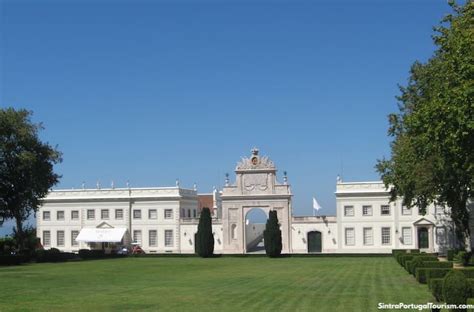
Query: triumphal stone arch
{"x": 256, "y": 186}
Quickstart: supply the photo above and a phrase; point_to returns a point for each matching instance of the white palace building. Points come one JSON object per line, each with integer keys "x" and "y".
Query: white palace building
{"x": 164, "y": 219}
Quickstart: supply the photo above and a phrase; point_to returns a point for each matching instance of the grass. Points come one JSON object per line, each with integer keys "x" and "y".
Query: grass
{"x": 218, "y": 284}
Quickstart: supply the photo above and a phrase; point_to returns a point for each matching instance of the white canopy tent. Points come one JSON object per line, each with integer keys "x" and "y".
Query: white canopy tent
{"x": 95, "y": 235}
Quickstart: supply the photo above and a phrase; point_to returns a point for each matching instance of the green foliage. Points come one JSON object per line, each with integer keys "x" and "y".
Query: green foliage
{"x": 463, "y": 257}
{"x": 420, "y": 272}
{"x": 451, "y": 253}
{"x": 204, "y": 237}
{"x": 7, "y": 244}
{"x": 408, "y": 265}
{"x": 455, "y": 288}
{"x": 470, "y": 301}
{"x": 8, "y": 259}
{"x": 404, "y": 258}
{"x": 87, "y": 254}
{"x": 26, "y": 167}
{"x": 432, "y": 153}
{"x": 415, "y": 263}
{"x": 48, "y": 255}
{"x": 436, "y": 287}
{"x": 396, "y": 252}
{"x": 468, "y": 272}
{"x": 436, "y": 273}
{"x": 272, "y": 235}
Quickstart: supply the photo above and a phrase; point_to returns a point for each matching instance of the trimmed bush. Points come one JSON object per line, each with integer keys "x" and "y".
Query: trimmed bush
{"x": 455, "y": 288}
{"x": 468, "y": 272}
{"x": 53, "y": 255}
{"x": 436, "y": 287}
{"x": 395, "y": 252}
{"x": 450, "y": 254}
{"x": 407, "y": 257}
{"x": 272, "y": 235}
{"x": 463, "y": 257}
{"x": 437, "y": 264}
{"x": 415, "y": 263}
{"x": 436, "y": 273}
{"x": 470, "y": 282}
{"x": 420, "y": 275}
{"x": 404, "y": 258}
{"x": 204, "y": 236}
{"x": 399, "y": 257}
{"x": 407, "y": 265}
{"x": 470, "y": 301}
{"x": 87, "y": 254}
{"x": 7, "y": 259}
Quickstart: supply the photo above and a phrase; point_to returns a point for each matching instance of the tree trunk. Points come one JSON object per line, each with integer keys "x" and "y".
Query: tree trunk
{"x": 460, "y": 217}
{"x": 19, "y": 230}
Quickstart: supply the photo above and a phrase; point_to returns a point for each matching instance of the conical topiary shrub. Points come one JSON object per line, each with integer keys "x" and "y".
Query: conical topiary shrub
{"x": 272, "y": 236}
{"x": 204, "y": 239}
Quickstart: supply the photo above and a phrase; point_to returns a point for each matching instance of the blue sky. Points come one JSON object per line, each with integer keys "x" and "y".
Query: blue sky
{"x": 153, "y": 91}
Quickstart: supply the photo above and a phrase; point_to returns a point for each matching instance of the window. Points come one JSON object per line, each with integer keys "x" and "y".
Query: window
{"x": 406, "y": 235}
{"x": 46, "y": 238}
{"x": 60, "y": 215}
{"x": 90, "y": 214}
{"x": 367, "y": 210}
{"x": 75, "y": 215}
{"x": 60, "y": 238}
{"x": 350, "y": 236}
{"x": 137, "y": 214}
{"x": 406, "y": 211}
{"x": 46, "y": 215}
{"x": 152, "y": 214}
{"x": 137, "y": 237}
{"x": 104, "y": 214}
{"x": 368, "y": 236}
{"x": 152, "y": 241}
{"x": 168, "y": 238}
{"x": 385, "y": 210}
{"x": 189, "y": 213}
{"x": 118, "y": 214}
{"x": 386, "y": 239}
{"x": 194, "y": 213}
{"x": 73, "y": 238}
{"x": 349, "y": 211}
{"x": 168, "y": 213}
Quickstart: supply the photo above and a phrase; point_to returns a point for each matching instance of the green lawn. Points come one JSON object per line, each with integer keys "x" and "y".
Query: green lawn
{"x": 219, "y": 284}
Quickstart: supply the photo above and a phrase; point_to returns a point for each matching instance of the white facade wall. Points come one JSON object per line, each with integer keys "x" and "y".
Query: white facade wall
{"x": 301, "y": 226}
{"x": 374, "y": 195}
{"x": 333, "y": 229}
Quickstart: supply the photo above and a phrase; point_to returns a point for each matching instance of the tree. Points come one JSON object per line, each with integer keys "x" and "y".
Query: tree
{"x": 26, "y": 167}
{"x": 432, "y": 152}
{"x": 204, "y": 238}
{"x": 272, "y": 235}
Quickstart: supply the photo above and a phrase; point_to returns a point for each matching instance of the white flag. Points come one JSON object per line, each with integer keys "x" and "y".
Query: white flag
{"x": 316, "y": 205}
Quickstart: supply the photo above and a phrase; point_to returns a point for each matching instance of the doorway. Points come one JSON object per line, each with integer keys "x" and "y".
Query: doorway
{"x": 314, "y": 241}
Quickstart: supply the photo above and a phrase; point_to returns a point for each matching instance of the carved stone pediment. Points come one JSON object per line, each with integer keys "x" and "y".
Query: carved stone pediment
{"x": 255, "y": 162}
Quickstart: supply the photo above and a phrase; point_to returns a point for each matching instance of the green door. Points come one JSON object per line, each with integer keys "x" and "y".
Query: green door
{"x": 314, "y": 241}
{"x": 423, "y": 241}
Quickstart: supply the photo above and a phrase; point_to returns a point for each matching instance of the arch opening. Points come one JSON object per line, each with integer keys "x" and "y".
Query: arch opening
{"x": 255, "y": 221}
